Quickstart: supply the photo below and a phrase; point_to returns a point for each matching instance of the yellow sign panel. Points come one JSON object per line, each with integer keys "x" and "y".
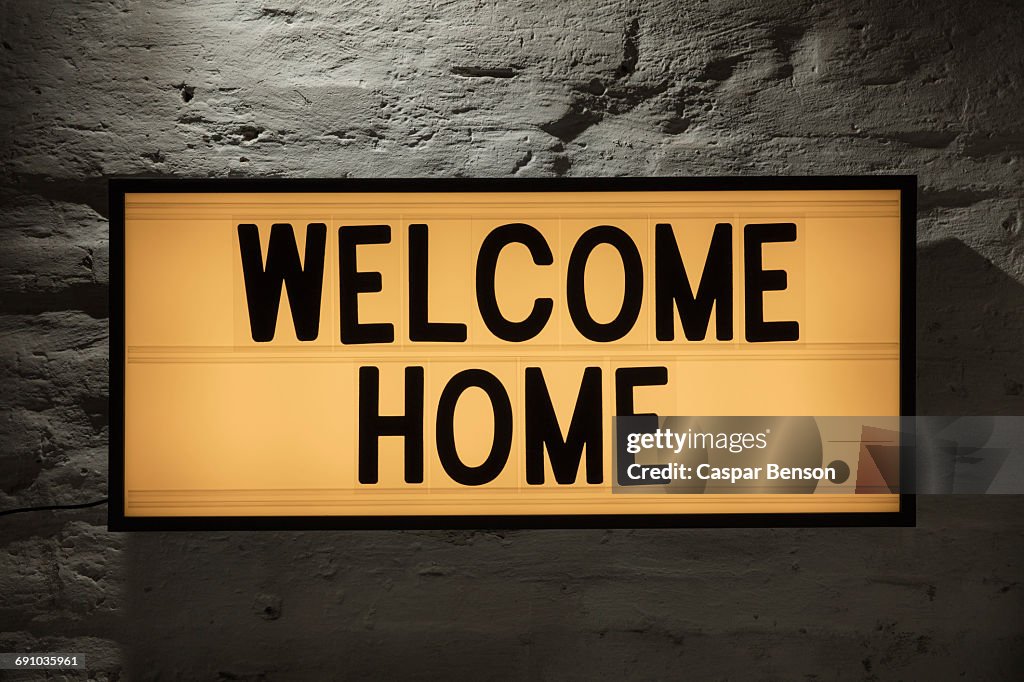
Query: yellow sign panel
{"x": 453, "y": 353}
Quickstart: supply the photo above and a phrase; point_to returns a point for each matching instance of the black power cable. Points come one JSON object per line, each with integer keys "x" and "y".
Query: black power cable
{"x": 53, "y": 507}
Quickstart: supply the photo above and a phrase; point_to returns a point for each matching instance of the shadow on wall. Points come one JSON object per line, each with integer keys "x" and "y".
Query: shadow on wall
{"x": 970, "y": 330}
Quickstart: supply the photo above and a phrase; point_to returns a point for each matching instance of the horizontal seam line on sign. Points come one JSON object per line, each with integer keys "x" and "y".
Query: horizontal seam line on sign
{"x": 455, "y": 347}
{"x": 384, "y": 202}
{"x": 500, "y": 359}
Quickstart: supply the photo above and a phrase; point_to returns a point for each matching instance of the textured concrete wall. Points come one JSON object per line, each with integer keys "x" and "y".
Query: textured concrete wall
{"x": 486, "y": 88}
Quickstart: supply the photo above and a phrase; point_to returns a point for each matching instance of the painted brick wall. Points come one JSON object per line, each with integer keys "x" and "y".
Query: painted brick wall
{"x": 301, "y": 88}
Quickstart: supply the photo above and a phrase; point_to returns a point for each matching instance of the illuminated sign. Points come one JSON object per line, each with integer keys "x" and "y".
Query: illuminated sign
{"x": 456, "y": 353}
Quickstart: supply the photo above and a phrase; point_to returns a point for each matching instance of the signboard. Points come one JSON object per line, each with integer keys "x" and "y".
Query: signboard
{"x": 455, "y": 353}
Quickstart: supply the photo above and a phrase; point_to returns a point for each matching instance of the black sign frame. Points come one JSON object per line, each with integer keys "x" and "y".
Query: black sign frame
{"x": 119, "y": 187}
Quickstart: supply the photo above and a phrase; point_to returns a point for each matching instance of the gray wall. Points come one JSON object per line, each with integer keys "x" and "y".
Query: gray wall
{"x": 477, "y": 88}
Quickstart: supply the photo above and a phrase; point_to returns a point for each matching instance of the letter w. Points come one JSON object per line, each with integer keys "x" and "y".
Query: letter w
{"x": 263, "y": 284}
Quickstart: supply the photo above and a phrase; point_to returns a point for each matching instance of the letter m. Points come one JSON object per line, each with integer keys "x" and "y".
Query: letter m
{"x": 263, "y": 283}
{"x": 543, "y": 431}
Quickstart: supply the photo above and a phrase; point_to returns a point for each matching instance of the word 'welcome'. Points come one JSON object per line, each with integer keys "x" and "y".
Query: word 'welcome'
{"x": 674, "y": 292}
